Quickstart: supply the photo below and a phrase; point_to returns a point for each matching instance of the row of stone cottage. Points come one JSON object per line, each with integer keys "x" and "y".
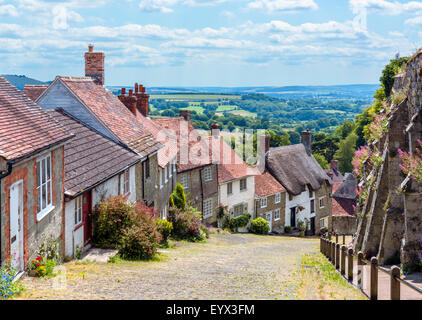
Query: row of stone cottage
{"x": 66, "y": 146}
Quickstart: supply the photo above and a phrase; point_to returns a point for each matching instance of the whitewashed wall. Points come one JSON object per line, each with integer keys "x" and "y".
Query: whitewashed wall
{"x": 238, "y": 197}
{"x": 303, "y": 200}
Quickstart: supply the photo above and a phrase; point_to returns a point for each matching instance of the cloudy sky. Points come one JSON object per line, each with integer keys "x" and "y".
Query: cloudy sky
{"x": 210, "y": 42}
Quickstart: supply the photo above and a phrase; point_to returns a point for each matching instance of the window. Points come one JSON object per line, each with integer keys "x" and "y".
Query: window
{"x": 322, "y": 223}
{"x": 242, "y": 184}
{"x": 125, "y": 182}
{"x": 208, "y": 174}
{"x": 170, "y": 170}
{"x": 147, "y": 173}
{"x": 161, "y": 178}
{"x": 311, "y": 193}
{"x": 291, "y": 197}
{"x": 207, "y": 209}
{"x": 277, "y": 214}
{"x": 312, "y": 206}
{"x": 44, "y": 186}
{"x": 277, "y": 198}
{"x": 184, "y": 181}
{"x": 78, "y": 211}
{"x": 238, "y": 210}
{"x": 263, "y": 202}
{"x": 321, "y": 202}
{"x": 229, "y": 188}
{"x": 165, "y": 175}
{"x": 174, "y": 166}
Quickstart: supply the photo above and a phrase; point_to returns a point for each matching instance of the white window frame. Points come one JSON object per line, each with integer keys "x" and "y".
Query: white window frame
{"x": 165, "y": 175}
{"x": 170, "y": 170}
{"x": 234, "y": 210}
{"x": 174, "y": 166}
{"x": 322, "y": 223}
{"x": 276, "y": 212}
{"x": 231, "y": 188}
{"x": 277, "y": 198}
{"x": 207, "y": 208}
{"x": 184, "y": 181}
{"x": 240, "y": 184}
{"x": 264, "y": 203}
{"x": 125, "y": 182}
{"x": 208, "y": 174}
{"x": 43, "y": 211}
{"x": 161, "y": 178}
{"x": 321, "y": 199}
{"x": 78, "y": 211}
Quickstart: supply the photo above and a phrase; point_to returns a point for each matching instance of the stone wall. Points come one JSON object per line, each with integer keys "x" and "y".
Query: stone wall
{"x": 344, "y": 224}
{"x": 326, "y": 211}
{"x": 277, "y": 225}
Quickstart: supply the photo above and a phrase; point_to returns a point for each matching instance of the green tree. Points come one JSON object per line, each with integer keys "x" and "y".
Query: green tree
{"x": 345, "y": 153}
{"x": 321, "y": 160}
{"x": 178, "y": 197}
{"x": 389, "y": 72}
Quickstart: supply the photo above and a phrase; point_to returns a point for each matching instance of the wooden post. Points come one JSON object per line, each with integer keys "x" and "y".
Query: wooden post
{"x": 336, "y": 238}
{"x": 350, "y": 264}
{"x": 374, "y": 279}
{"x": 321, "y": 245}
{"x": 333, "y": 252}
{"x": 337, "y": 255}
{"x": 343, "y": 260}
{"x": 395, "y": 284}
{"x": 344, "y": 239}
{"x": 329, "y": 250}
{"x": 360, "y": 269}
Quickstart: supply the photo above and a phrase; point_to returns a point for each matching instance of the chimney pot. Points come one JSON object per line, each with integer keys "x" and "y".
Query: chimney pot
{"x": 215, "y": 130}
{"x": 94, "y": 65}
{"x": 130, "y": 92}
{"x": 334, "y": 164}
{"x": 91, "y": 48}
{"x": 123, "y": 91}
{"x": 136, "y": 88}
{"x": 185, "y": 114}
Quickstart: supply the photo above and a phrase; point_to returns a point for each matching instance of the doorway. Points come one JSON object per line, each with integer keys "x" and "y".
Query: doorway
{"x": 293, "y": 217}
{"x": 16, "y": 226}
{"x": 87, "y": 217}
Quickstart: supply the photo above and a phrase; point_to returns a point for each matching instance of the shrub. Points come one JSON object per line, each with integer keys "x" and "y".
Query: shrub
{"x": 259, "y": 226}
{"x": 186, "y": 225}
{"x": 165, "y": 228}
{"x": 287, "y": 229}
{"x": 128, "y": 227}
{"x": 42, "y": 268}
{"x": 49, "y": 250}
{"x": 8, "y": 288}
{"x": 178, "y": 197}
{"x": 239, "y": 222}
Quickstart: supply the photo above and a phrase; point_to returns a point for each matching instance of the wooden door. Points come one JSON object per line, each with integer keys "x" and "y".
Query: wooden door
{"x": 293, "y": 217}
{"x": 87, "y": 215}
{"x": 16, "y": 226}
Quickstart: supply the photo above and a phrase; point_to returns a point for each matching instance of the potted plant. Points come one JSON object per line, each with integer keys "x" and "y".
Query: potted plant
{"x": 302, "y": 228}
{"x": 287, "y": 229}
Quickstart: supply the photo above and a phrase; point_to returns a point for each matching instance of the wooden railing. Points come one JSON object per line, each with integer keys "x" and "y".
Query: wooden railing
{"x": 338, "y": 254}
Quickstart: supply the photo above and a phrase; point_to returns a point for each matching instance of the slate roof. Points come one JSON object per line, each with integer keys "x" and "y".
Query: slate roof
{"x": 267, "y": 185}
{"x": 295, "y": 169}
{"x": 90, "y": 158}
{"x": 113, "y": 114}
{"x": 24, "y": 127}
{"x": 34, "y": 91}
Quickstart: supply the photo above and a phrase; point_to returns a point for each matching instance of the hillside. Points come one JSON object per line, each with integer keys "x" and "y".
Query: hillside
{"x": 19, "y": 81}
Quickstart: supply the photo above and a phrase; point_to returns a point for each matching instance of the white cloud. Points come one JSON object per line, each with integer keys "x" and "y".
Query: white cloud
{"x": 157, "y": 5}
{"x": 385, "y": 7}
{"x": 417, "y": 21}
{"x": 8, "y": 10}
{"x": 283, "y": 5}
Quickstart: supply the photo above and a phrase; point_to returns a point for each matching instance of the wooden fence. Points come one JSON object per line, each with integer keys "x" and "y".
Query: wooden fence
{"x": 338, "y": 254}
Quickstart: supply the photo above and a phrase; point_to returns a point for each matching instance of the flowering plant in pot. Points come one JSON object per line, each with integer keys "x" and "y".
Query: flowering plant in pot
{"x": 41, "y": 268}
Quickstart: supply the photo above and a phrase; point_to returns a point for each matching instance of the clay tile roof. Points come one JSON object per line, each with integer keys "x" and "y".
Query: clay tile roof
{"x": 113, "y": 114}
{"x": 90, "y": 158}
{"x": 295, "y": 169}
{"x": 266, "y": 185}
{"x": 34, "y": 91}
{"x": 343, "y": 207}
{"x": 24, "y": 127}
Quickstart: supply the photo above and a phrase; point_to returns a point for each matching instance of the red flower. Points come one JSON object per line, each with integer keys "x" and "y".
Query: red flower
{"x": 37, "y": 264}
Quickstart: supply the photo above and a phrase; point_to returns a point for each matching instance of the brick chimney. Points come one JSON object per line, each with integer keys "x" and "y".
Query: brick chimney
{"x": 185, "y": 114}
{"x": 143, "y": 99}
{"x": 334, "y": 164}
{"x": 306, "y": 140}
{"x": 215, "y": 130}
{"x": 130, "y": 101}
{"x": 94, "y": 65}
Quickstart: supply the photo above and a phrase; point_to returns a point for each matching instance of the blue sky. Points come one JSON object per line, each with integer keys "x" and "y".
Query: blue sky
{"x": 210, "y": 42}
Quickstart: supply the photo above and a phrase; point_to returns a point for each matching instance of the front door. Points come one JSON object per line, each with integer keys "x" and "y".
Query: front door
{"x": 87, "y": 219}
{"x": 16, "y": 226}
{"x": 293, "y": 217}
{"x": 313, "y": 225}
{"x": 270, "y": 220}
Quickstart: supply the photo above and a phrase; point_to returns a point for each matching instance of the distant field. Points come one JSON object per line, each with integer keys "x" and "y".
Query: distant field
{"x": 223, "y": 108}
{"x": 198, "y": 110}
{"x": 244, "y": 113}
{"x": 194, "y": 97}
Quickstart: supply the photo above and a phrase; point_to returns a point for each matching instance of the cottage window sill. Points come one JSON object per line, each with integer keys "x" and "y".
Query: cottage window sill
{"x": 244, "y": 190}
{"x": 41, "y": 215}
{"x": 276, "y": 219}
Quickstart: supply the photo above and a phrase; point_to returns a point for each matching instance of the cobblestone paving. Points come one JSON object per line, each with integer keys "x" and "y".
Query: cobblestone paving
{"x": 239, "y": 266}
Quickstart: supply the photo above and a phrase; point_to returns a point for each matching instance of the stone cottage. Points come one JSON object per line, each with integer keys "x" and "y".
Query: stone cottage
{"x": 95, "y": 169}
{"x": 31, "y": 177}
{"x": 308, "y": 196}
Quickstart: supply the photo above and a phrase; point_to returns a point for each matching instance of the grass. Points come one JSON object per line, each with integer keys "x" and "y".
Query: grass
{"x": 223, "y": 108}
{"x": 244, "y": 113}
{"x": 198, "y": 110}
{"x": 318, "y": 279}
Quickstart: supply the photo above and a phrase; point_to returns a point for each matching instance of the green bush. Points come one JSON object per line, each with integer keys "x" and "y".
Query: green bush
{"x": 186, "y": 224}
{"x": 128, "y": 227}
{"x": 239, "y": 222}
{"x": 178, "y": 198}
{"x": 165, "y": 228}
{"x": 259, "y": 226}
{"x": 8, "y": 288}
{"x": 287, "y": 229}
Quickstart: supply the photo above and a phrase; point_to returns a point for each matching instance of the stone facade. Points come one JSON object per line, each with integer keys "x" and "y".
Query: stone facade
{"x": 198, "y": 189}
{"x": 277, "y": 225}
{"x": 344, "y": 224}
{"x": 35, "y": 230}
{"x": 323, "y": 205}
{"x": 390, "y": 223}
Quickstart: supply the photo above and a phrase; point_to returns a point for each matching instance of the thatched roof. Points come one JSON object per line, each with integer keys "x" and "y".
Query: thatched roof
{"x": 295, "y": 169}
